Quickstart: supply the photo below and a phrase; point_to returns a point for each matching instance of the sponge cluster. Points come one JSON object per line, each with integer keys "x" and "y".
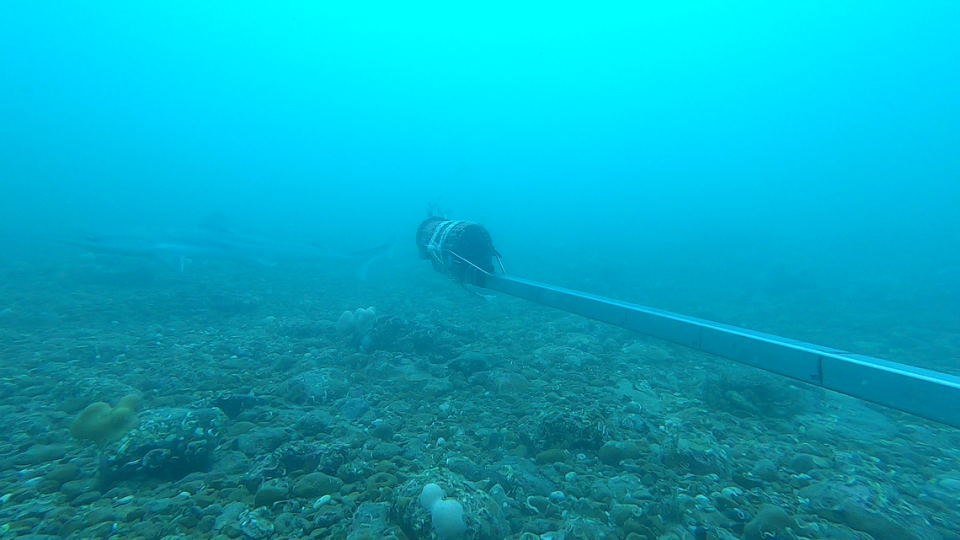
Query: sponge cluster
{"x": 447, "y": 514}
{"x": 103, "y": 424}
{"x": 360, "y": 321}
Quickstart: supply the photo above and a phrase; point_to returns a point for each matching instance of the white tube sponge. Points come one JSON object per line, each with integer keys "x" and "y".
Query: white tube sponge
{"x": 364, "y": 320}
{"x": 447, "y": 514}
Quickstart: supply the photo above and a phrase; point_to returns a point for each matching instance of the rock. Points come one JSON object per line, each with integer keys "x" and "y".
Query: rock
{"x": 371, "y": 520}
{"x": 469, "y": 363}
{"x": 484, "y": 516}
{"x": 263, "y": 441}
{"x": 256, "y": 524}
{"x": 802, "y": 463}
{"x": 770, "y": 522}
{"x": 169, "y": 444}
{"x": 696, "y": 453}
{"x": 854, "y": 504}
{"x": 62, "y": 474}
{"x": 766, "y": 470}
{"x": 72, "y": 488}
{"x": 229, "y": 515}
{"x": 385, "y": 451}
{"x": 383, "y": 431}
{"x": 613, "y": 452}
{"x": 317, "y": 484}
{"x": 354, "y": 408}
{"x": 950, "y": 484}
{"x": 320, "y": 386}
{"x": 271, "y": 491}
{"x": 40, "y": 453}
{"x": 101, "y": 515}
{"x": 553, "y": 455}
{"x": 85, "y": 499}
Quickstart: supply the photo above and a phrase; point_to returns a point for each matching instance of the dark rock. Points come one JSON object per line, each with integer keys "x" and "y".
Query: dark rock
{"x": 613, "y": 452}
{"x": 553, "y": 455}
{"x": 84, "y": 499}
{"x": 354, "y": 408}
{"x": 40, "y": 453}
{"x": 470, "y": 362}
{"x": 317, "y": 484}
{"x": 233, "y": 404}
{"x": 386, "y": 450}
{"x": 802, "y": 463}
{"x": 383, "y": 431}
{"x": 314, "y": 423}
{"x": 696, "y": 454}
{"x": 62, "y": 474}
{"x": 101, "y": 515}
{"x": 566, "y": 430}
{"x": 263, "y": 441}
{"x": 271, "y": 491}
{"x": 854, "y": 504}
{"x": 319, "y": 386}
{"x": 770, "y": 522}
{"x": 766, "y": 470}
{"x": 371, "y": 520}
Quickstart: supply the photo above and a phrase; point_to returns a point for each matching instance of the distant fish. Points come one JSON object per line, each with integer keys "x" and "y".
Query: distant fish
{"x": 176, "y": 247}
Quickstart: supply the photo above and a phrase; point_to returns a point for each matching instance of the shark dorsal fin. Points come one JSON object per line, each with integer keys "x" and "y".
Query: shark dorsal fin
{"x": 215, "y": 221}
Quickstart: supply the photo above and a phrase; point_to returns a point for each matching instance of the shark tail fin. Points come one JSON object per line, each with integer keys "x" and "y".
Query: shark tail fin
{"x": 366, "y": 257}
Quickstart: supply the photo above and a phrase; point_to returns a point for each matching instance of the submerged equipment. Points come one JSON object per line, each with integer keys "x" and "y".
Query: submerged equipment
{"x": 464, "y": 251}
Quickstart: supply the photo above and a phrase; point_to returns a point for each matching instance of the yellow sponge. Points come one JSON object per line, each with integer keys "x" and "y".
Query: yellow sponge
{"x": 103, "y": 424}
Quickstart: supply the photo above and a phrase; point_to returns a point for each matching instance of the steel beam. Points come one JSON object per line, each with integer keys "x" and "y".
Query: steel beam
{"x": 925, "y": 393}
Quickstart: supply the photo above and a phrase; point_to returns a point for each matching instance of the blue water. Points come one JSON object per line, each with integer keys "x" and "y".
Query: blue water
{"x": 791, "y": 168}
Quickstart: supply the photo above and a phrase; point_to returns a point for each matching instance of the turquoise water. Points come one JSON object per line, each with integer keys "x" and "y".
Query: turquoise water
{"x": 193, "y": 195}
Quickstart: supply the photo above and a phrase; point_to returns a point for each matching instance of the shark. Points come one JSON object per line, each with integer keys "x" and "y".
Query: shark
{"x": 176, "y": 247}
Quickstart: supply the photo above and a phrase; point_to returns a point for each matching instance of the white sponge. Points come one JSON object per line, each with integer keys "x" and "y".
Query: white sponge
{"x": 447, "y": 514}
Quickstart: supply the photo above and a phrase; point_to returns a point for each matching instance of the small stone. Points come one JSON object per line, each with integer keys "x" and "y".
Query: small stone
{"x": 85, "y": 498}
{"x": 384, "y": 432}
{"x": 951, "y": 484}
{"x": 40, "y": 453}
{"x": 613, "y": 452}
{"x": 553, "y": 455}
{"x": 803, "y": 463}
{"x": 770, "y": 521}
{"x": 386, "y": 450}
{"x": 270, "y": 492}
{"x": 766, "y": 470}
{"x": 101, "y": 515}
{"x": 62, "y": 474}
{"x": 317, "y": 484}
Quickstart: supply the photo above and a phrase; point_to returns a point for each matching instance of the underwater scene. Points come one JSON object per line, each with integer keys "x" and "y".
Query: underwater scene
{"x": 313, "y": 271}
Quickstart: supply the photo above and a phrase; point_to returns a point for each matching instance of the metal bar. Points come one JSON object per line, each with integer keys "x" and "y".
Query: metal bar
{"x": 925, "y": 393}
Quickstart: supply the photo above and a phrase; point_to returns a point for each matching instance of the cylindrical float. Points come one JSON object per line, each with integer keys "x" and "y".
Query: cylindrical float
{"x": 456, "y": 248}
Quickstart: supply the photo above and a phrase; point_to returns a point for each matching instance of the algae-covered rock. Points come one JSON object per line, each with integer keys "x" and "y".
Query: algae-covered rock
{"x": 317, "y": 484}
{"x": 769, "y": 523}
{"x": 482, "y": 515}
{"x": 566, "y": 430}
{"x": 862, "y": 506}
{"x": 168, "y": 443}
{"x": 613, "y": 452}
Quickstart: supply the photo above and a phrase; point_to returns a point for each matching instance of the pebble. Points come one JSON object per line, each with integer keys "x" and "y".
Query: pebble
{"x": 952, "y": 484}
{"x": 731, "y": 492}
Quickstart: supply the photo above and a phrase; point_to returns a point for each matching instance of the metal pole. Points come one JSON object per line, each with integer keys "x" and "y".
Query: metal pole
{"x": 925, "y": 393}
